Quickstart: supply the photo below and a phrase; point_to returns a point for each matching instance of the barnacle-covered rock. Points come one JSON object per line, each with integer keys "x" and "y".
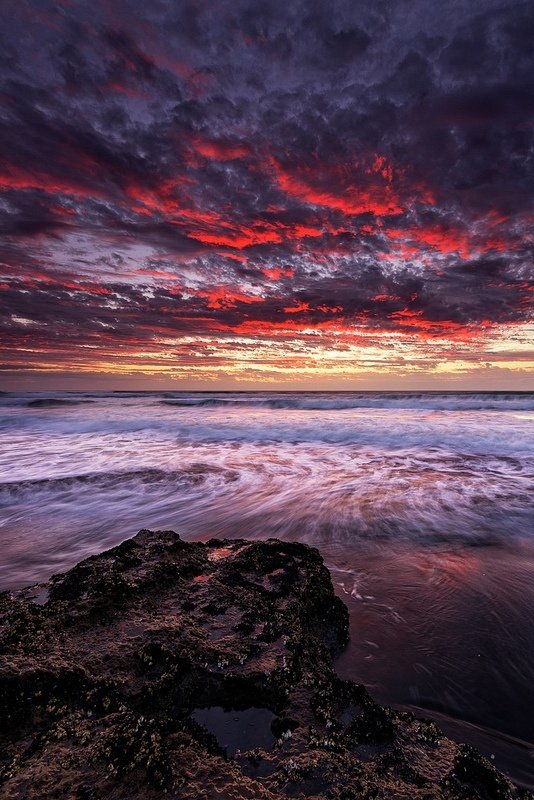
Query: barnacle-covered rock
{"x": 162, "y": 668}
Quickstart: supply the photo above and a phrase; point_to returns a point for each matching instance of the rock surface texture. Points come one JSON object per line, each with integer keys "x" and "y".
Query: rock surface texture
{"x": 106, "y": 670}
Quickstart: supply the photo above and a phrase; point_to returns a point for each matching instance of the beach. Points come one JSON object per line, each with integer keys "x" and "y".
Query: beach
{"x": 420, "y": 504}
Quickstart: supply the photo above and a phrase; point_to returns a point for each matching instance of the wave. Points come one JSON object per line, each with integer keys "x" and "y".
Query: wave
{"x": 196, "y": 403}
{"x": 195, "y": 474}
{"x": 127, "y": 394}
{"x": 53, "y": 402}
{"x": 482, "y": 401}
{"x": 283, "y": 401}
{"x": 328, "y": 498}
{"x": 153, "y": 436}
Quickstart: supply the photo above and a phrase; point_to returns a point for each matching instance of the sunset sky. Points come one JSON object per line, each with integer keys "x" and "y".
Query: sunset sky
{"x": 237, "y": 194}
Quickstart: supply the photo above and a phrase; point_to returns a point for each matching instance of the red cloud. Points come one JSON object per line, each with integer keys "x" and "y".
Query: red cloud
{"x": 443, "y": 238}
{"x": 221, "y": 151}
{"x": 227, "y": 298}
{"x": 349, "y": 189}
{"x": 275, "y": 273}
{"x": 299, "y": 306}
{"x": 14, "y": 177}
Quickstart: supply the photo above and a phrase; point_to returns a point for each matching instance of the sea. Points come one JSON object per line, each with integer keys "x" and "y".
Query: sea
{"x": 421, "y": 503}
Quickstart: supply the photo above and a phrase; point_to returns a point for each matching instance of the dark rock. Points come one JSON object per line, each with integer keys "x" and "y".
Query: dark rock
{"x": 101, "y": 681}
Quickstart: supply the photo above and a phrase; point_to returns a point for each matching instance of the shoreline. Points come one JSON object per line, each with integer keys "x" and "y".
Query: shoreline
{"x": 127, "y": 675}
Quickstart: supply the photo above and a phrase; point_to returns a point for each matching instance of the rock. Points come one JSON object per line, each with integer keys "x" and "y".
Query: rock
{"x": 104, "y": 671}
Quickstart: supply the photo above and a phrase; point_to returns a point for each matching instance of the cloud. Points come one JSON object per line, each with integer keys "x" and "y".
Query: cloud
{"x": 251, "y": 172}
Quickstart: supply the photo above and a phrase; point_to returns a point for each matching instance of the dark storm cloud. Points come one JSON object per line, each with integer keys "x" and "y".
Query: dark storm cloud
{"x": 196, "y": 167}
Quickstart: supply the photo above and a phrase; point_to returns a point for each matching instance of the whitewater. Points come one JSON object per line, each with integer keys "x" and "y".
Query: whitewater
{"x": 421, "y": 503}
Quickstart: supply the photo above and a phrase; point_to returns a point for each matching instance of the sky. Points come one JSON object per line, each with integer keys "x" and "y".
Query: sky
{"x": 235, "y": 194}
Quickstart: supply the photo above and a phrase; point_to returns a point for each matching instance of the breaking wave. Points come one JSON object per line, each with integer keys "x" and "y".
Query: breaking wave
{"x": 331, "y": 469}
{"x": 53, "y": 402}
{"x": 195, "y": 475}
{"x": 494, "y": 401}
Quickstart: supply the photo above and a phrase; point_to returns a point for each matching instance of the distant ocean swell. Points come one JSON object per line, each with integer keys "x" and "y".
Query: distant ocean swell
{"x": 310, "y": 401}
{"x": 469, "y": 402}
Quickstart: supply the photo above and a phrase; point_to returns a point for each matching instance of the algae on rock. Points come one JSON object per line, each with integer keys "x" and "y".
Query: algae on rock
{"x": 100, "y": 685}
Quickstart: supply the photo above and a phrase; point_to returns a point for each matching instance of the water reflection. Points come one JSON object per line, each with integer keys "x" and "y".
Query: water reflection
{"x": 450, "y": 632}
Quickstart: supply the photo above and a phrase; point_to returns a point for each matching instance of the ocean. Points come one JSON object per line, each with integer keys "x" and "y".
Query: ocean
{"x": 421, "y": 503}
